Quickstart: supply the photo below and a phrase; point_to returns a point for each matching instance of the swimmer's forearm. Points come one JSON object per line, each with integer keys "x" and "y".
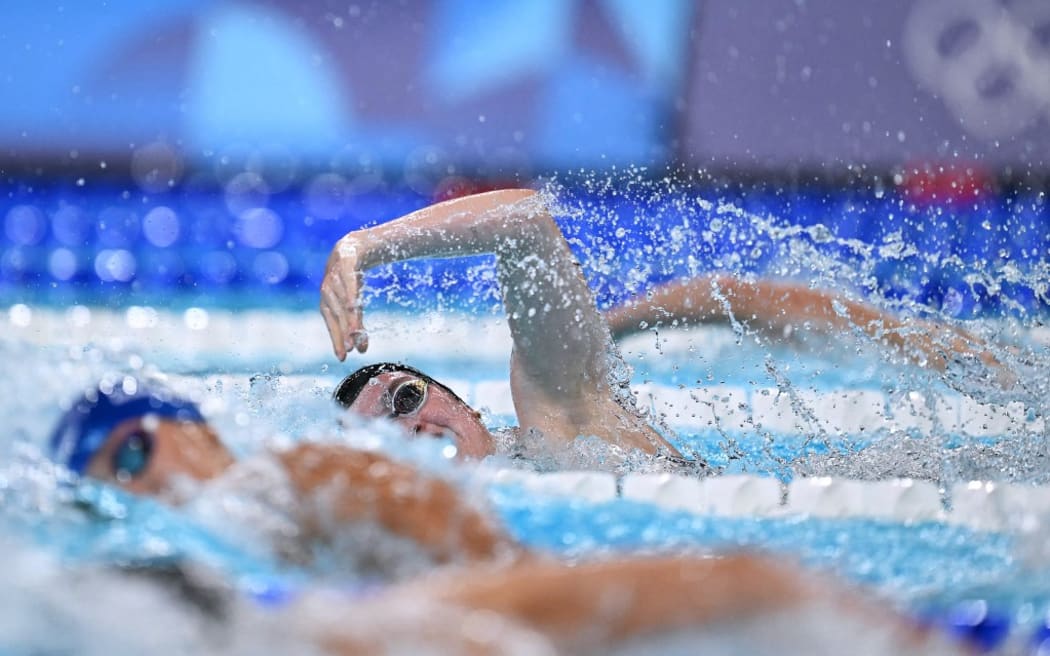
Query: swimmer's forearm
{"x": 771, "y": 307}
{"x": 378, "y": 625}
{"x": 494, "y": 222}
{"x": 774, "y": 308}
{"x": 602, "y": 603}
{"x": 677, "y": 303}
{"x": 514, "y": 224}
{"x": 764, "y": 305}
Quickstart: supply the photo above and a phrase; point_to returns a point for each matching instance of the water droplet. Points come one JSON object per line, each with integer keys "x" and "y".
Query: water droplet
{"x": 820, "y": 233}
{"x": 195, "y": 318}
{"x": 20, "y": 315}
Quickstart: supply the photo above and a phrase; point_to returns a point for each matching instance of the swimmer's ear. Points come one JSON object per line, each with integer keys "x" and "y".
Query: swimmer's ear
{"x": 91, "y": 509}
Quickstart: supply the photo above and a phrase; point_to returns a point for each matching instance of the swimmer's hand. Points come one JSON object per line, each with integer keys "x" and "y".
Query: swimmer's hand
{"x": 492, "y": 222}
{"x": 341, "y": 298}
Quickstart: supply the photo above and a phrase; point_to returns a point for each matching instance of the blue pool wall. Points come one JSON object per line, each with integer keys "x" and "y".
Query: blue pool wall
{"x": 107, "y": 243}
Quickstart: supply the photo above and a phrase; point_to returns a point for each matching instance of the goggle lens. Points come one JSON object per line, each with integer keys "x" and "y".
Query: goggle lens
{"x": 408, "y": 397}
{"x": 132, "y": 456}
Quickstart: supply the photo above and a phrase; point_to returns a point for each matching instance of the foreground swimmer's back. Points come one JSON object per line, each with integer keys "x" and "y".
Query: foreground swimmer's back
{"x": 497, "y": 583}
{"x": 150, "y": 441}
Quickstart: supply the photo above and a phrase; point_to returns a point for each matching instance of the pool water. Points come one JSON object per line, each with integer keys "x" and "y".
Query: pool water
{"x": 918, "y": 564}
{"x": 263, "y": 371}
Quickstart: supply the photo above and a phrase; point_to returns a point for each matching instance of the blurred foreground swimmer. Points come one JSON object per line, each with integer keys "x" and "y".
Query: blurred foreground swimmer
{"x": 149, "y": 441}
{"x": 736, "y": 603}
{"x": 566, "y": 375}
{"x": 496, "y": 597}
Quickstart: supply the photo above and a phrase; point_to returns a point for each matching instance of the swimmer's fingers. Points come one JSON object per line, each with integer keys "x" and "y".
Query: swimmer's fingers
{"x": 361, "y": 340}
{"x": 341, "y": 299}
{"x": 334, "y": 322}
{"x": 349, "y": 283}
{"x": 342, "y": 318}
{"x": 331, "y": 304}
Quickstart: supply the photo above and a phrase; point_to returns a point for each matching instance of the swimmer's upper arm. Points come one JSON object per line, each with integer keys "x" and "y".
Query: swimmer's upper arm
{"x": 561, "y": 342}
{"x": 560, "y": 374}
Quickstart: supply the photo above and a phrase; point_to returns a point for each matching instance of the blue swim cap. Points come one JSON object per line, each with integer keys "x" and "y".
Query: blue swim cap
{"x": 84, "y": 428}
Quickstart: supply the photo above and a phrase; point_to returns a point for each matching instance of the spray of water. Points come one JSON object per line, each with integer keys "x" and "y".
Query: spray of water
{"x": 899, "y": 257}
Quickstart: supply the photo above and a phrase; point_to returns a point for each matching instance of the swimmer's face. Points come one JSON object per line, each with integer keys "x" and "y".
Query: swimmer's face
{"x": 147, "y": 455}
{"x": 424, "y": 408}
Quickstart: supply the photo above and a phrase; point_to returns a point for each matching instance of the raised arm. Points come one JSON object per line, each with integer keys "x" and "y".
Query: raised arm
{"x": 343, "y": 484}
{"x": 546, "y": 298}
{"x": 774, "y": 307}
{"x": 559, "y": 366}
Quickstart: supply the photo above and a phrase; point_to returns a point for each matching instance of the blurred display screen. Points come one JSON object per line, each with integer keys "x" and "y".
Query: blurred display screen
{"x": 801, "y": 84}
{"x": 486, "y": 85}
{"x": 497, "y": 87}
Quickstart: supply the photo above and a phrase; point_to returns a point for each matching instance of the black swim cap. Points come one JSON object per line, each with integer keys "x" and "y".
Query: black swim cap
{"x": 350, "y": 388}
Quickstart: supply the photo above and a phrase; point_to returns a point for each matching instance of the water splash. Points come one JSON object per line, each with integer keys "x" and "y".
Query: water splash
{"x": 630, "y": 231}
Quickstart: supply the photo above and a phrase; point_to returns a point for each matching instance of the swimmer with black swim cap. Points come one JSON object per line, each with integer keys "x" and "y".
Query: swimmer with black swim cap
{"x": 417, "y": 403}
{"x": 566, "y": 378}
{"x": 424, "y": 406}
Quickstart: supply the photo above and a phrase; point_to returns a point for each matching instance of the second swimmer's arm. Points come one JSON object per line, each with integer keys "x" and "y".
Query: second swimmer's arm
{"x": 773, "y": 306}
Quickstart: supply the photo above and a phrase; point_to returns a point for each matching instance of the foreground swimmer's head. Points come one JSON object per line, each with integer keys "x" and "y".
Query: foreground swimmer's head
{"x": 139, "y": 438}
{"x": 418, "y": 403}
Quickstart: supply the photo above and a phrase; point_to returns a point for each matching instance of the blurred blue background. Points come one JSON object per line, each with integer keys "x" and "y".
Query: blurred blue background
{"x": 224, "y": 144}
{"x": 488, "y": 85}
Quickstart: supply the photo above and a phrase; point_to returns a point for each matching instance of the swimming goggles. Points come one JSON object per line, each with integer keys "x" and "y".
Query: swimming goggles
{"x": 407, "y": 398}
{"x": 133, "y": 454}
